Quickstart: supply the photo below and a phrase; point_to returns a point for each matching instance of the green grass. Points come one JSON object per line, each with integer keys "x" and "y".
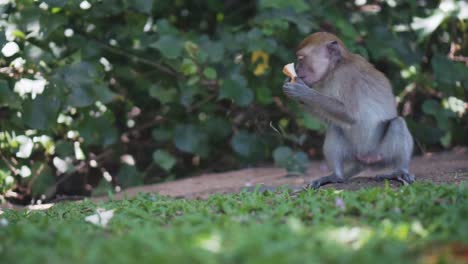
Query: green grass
{"x": 378, "y": 225}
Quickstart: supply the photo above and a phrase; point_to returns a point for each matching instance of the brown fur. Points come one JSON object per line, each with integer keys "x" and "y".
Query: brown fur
{"x": 320, "y": 38}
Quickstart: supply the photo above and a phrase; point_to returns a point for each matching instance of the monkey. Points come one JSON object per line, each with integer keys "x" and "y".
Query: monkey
{"x": 356, "y": 102}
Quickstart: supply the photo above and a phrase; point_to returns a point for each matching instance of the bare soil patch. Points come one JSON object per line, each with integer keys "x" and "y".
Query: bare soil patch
{"x": 439, "y": 168}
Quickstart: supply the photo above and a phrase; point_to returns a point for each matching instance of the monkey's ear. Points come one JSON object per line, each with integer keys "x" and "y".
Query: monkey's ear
{"x": 334, "y": 50}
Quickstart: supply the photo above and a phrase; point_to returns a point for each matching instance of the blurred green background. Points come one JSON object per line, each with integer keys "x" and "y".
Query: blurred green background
{"x": 104, "y": 94}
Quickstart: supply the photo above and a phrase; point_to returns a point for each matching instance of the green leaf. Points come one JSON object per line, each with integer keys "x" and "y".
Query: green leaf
{"x": 143, "y": 6}
{"x": 164, "y": 159}
{"x": 218, "y": 128}
{"x": 81, "y": 96}
{"x": 64, "y": 148}
{"x": 191, "y": 139}
{"x": 300, "y": 163}
{"x": 311, "y": 123}
{"x": 210, "y": 73}
{"x": 236, "y": 90}
{"x": 56, "y": 3}
{"x": 263, "y": 95}
{"x": 193, "y": 80}
{"x": 293, "y": 162}
{"x": 44, "y": 182}
{"x": 188, "y": 93}
{"x": 34, "y": 54}
{"x": 248, "y": 145}
{"x": 214, "y": 50}
{"x": 424, "y": 133}
{"x": 165, "y": 96}
{"x": 162, "y": 134}
{"x": 377, "y": 43}
{"x": 297, "y": 5}
{"x": 446, "y": 140}
{"x": 431, "y": 107}
{"x": 3, "y": 40}
{"x": 85, "y": 85}
{"x": 103, "y": 94}
{"x": 129, "y": 176}
{"x": 98, "y": 131}
{"x": 164, "y": 27}
{"x": 281, "y": 155}
{"x": 442, "y": 116}
{"x": 191, "y": 48}
{"x": 8, "y": 97}
{"x": 103, "y": 188}
{"x": 447, "y": 71}
{"x": 42, "y": 112}
{"x": 51, "y": 22}
{"x": 189, "y": 67}
{"x": 169, "y": 46}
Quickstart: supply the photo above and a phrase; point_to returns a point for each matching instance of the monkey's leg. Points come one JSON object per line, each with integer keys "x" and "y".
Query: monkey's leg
{"x": 337, "y": 151}
{"x": 397, "y": 147}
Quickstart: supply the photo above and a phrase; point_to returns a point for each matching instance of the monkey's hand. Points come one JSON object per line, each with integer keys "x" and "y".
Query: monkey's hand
{"x": 298, "y": 91}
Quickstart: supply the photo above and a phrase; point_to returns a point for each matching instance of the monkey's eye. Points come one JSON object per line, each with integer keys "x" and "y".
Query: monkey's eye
{"x": 299, "y": 58}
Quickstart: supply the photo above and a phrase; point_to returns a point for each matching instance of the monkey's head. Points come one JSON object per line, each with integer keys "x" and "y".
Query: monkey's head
{"x": 317, "y": 55}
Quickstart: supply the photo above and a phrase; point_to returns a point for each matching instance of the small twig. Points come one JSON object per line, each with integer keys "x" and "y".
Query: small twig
{"x": 200, "y": 103}
{"x": 103, "y": 154}
{"x": 36, "y": 174}
{"x": 8, "y": 164}
{"x": 148, "y": 169}
{"x": 212, "y": 83}
{"x": 453, "y": 49}
{"x": 131, "y": 56}
{"x": 420, "y": 146}
{"x": 156, "y": 65}
{"x": 142, "y": 127}
{"x": 275, "y": 129}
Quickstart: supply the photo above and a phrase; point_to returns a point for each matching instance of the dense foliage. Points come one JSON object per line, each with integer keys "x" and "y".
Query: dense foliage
{"x": 422, "y": 223}
{"x": 137, "y": 91}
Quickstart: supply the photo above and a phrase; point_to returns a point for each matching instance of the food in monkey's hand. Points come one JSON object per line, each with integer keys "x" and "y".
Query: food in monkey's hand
{"x": 289, "y": 70}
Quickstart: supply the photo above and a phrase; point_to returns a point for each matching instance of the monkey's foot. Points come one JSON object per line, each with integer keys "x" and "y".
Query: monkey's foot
{"x": 324, "y": 181}
{"x": 401, "y": 176}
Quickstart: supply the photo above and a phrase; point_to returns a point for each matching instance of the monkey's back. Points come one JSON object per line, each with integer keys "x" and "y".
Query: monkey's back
{"x": 368, "y": 95}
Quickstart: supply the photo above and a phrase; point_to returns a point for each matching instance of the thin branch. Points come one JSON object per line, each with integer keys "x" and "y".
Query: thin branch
{"x": 142, "y": 127}
{"x": 36, "y": 174}
{"x": 8, "y": 164}
{"x": 458, "y": 58}
{"x": 201, "y": 102}
{"x": 131, "y": 56}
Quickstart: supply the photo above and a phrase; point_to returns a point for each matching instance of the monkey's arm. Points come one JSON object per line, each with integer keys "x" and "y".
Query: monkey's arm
{"x": 332, "y": 108}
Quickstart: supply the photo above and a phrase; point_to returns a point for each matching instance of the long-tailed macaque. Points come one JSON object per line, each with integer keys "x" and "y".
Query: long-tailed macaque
{"x": 357, "y": 102}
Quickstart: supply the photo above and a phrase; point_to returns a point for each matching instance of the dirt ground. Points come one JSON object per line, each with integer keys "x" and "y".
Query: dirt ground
{"x": 439, "y": 168}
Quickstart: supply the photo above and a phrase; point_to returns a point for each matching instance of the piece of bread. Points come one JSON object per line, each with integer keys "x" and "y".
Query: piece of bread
{"x": 289, "y": 70}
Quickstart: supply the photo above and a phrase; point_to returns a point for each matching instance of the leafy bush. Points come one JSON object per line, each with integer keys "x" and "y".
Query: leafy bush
{"x": 140, "y": 91}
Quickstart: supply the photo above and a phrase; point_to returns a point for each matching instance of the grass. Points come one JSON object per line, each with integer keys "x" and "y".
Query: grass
{"x": 418, "y": 223}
